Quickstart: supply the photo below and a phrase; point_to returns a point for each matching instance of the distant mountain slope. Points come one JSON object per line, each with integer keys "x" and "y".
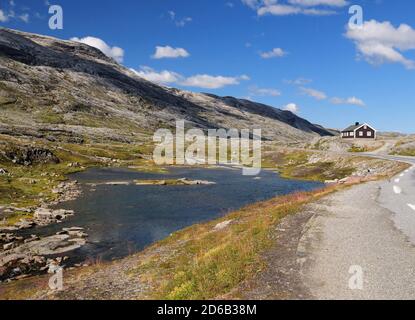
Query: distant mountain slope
{"x": 63, "y": 89}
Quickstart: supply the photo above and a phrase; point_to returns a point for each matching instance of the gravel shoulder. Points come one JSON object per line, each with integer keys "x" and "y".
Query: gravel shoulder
{"x": 317, "y": 251}
{"x": 351, "y": 228}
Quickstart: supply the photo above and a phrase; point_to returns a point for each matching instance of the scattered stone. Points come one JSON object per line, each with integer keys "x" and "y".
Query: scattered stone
{"x": 9, "y": 237}
{"x": 12, "y": 228}
{"x": 195, "y": 182}
{"x": 44, "y": 216}
{"x": 28, "y": 156}
{"x": 74, "y": 231}
{"x": 25, "y": 224}
{"x": 335, "y": 181}
{"x": 67, "y": 191}
{"x": 74, "y": 165}
{"x": 53, "y": 266}
{"x": 222, "y": 225}
{"x": 9, "y": 246}
{"x": 118, "y": 183}
{"x": 31, "y": 239}
{"x": 28, "y": 257}
{"x": 3, "y": 171}
{"x": 183, "y": 181}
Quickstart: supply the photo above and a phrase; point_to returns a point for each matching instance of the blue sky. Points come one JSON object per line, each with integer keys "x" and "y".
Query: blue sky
{"x": 294, "y": 54}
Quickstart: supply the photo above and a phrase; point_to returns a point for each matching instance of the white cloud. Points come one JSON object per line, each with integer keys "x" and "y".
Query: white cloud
{"x": 179, "y": 22}
{"x": 212, "y": 82}
{"x": 274, "y": 53}
{"x": 162, "y": 77}
{"x": 313, "y": 3}
{"x": 294, "y": 7}
{"x": 113, "y": 52}
{"x": 299, "y": 81}
{"x": 380, "y": 42}
{"x": 200, "y": 81}
{"x": 255, "y": 91}
{"x": 251, "y": 3}
{"x": 24, "y": 17}
{"x": 349, "y": 101}
{"x": 11, "y": 14}
{"x": 3, "y": 16}
{"x": 172, "y": 15}
{"x": 170, "y": 52}
{"x": 316, "y": 94}
{"x": 292, "y": 107}
{"x": 278, "y": 10}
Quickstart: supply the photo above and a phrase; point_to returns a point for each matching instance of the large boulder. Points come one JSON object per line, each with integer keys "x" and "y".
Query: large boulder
{"x": 28, "y": 156}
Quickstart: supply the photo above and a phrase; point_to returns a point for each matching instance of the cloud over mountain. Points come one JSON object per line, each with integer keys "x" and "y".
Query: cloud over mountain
{"x": 116, "y": 53}
{"x": 295, "y": 7}
{"x": 204, "y": 81}
{"x": 381, "y": 42}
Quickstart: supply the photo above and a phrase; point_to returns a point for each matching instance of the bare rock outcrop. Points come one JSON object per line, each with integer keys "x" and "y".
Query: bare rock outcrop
{"x": 34, "y": 255}
{"x": 29, "y": 155}
{"x": 69, "y": 85}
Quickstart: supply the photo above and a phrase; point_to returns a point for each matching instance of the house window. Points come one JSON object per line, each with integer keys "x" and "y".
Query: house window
{"x": 361, "y": 134}
{"x": 365, "y": 127}
{"x": 352, "y": 134}
{"x": 369, "y": 134}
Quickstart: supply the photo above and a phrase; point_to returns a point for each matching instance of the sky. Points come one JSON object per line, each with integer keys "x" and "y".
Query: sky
{"x": 299, "y": 55}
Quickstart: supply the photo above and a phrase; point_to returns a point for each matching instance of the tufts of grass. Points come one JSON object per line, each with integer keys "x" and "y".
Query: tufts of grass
{"x": 404, "y": 152}
{"x": 358, "y": 149}
{"x": 318, "y": 171}
{"x": 203, "y": 263}
{"x": 296, "y": 164}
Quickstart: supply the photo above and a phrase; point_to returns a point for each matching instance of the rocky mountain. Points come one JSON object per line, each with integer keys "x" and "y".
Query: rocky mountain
{"x": 64, "y": 90}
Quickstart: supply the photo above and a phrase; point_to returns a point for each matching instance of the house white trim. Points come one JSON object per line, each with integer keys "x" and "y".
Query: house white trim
{"x": 367, "y": 125}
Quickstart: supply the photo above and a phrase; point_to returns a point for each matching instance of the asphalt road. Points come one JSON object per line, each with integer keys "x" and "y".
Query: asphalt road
{"x": 361, "y": 242}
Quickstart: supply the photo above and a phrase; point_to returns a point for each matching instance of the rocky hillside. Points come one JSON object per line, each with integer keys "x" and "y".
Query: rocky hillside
{"x": 67, "y": 91}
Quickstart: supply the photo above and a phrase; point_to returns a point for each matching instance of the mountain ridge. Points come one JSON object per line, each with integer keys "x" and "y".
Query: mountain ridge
{"x": 66, "y": 88}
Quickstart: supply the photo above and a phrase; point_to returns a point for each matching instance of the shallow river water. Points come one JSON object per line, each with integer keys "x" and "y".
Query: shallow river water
{"x": 124, "y": 219}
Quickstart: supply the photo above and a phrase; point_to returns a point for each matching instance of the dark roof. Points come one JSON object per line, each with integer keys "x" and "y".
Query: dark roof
{"x": 356, "y": 126}
{"x": 352, "y": 128}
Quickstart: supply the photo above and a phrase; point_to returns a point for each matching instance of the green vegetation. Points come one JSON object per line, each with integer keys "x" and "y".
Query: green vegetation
{"x": 296, "y": 164}
{"x": 203, "y": 263}
{"x": 28, "y": 186}
{"x": 404, "y": 152}
{"x": 358, "y": 149}
{"x": 404, "y": 148}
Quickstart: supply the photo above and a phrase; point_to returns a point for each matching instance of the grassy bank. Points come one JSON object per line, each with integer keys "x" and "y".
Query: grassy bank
{"x": 404, "y": 147}
{"x": 404, "y": 152}
{"x": 203, "y": 262}
{"x": 296, "y": 164}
